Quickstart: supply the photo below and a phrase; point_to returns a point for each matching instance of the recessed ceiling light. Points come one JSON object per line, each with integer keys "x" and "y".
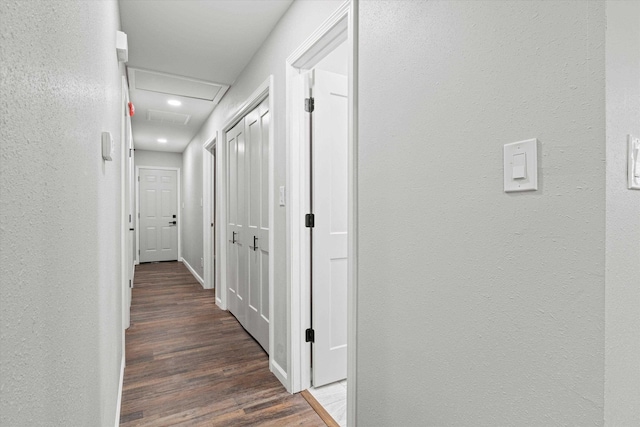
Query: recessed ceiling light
{"x": 174, "y": 102}
{"x": 163, "y": 140}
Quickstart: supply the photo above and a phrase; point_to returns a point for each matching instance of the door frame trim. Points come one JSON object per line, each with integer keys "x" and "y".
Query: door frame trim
{"x": 264, "y": 90}
{"x": 125, "y": 189}
{"x": 208, "y": 216}
{"x": 340, "y": 26}
{"x": 179, "y": 225}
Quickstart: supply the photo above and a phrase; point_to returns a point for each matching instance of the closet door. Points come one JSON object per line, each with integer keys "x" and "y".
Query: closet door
{"x": 236, "y": 249}
{"x": 256, "y": 235}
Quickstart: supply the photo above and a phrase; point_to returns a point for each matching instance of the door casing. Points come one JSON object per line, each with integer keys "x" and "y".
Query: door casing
{"x": 263, "y": 91}
{"x": 340, "y": 26}
{"x": 126, "y": 250}
{"x": 210, "y": 215}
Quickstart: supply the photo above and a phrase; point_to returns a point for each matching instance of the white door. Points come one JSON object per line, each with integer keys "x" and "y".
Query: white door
{"x": 158, "y": 215}
{"x": 329, "y": 247}
{"x": 256, "y": 236}
{"x": 236, "y": 248}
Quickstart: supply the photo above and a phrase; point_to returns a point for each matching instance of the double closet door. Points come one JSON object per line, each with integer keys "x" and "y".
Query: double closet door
{"x": 248, "y": 233}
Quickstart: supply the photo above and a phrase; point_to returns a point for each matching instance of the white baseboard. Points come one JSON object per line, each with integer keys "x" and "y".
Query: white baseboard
{"x": 119, "y": 401}
{"x": 280, "y": 373}
{"x": 193, "y": 272}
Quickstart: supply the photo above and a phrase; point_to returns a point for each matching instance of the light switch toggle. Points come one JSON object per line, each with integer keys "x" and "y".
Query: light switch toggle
{"x": 520, "y": 166}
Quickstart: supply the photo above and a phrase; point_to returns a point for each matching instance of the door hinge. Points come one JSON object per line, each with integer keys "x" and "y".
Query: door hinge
{"x": 130, "y": 284}
{"x": 138, "y": 251}
{"x": 309, "y": 220}
{"x": 130, "y": 150}
{"x": 309, "y": 105}
{"x": 138, "y": 178}
{"x": 309, "y": 335}
{"x": 129, "y": 217}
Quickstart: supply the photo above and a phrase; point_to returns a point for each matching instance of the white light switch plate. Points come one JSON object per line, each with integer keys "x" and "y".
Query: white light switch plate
{"x": 521, "y": 172}
{"x": 633, "y": 167}
{"x": 107, "y": 146}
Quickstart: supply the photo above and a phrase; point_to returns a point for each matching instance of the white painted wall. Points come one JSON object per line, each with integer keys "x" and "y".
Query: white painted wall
{"x": 302, "y": 18}
{"x": 158, "y": 158}
{"x": 622, "y": 296}
{"x": 192, "y": 197}
{"x": 478, "y": 307}
{"x": 337, "y": 61}
{"x": 61, "y": 333}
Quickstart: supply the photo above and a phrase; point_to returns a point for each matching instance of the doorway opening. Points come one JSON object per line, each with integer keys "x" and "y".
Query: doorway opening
{"x": 210, "y": 216}
{"x": 157, "y": 202}
{"x": 244, "y": 216}
{"x": 321, "y": 177}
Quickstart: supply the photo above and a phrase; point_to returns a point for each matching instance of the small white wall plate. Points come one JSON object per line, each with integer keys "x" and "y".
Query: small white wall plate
{"x": 521, "y": 166}
{"x": 122, "y": 46}
{"x": 633, "y": 166}
{"x": 107, "y": 146}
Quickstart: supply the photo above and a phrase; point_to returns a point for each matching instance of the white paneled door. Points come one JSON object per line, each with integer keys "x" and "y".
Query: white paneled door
{"x": 329, "y": 255}
{"x": 257, "y": 233}
{"x": 236, "y": 256}
{"x": 248, "y": 222}
{"x": 158, "y": 198}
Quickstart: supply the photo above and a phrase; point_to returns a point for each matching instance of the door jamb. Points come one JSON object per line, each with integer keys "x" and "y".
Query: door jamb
{"x": 208, "y": 216}
{"x": 266, "y": 89}
{"x": 340, "y": 26}
{"x": 137, "y": 181}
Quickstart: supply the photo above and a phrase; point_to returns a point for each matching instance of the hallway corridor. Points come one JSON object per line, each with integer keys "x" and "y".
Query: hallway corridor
{"x": 190, "y": 363}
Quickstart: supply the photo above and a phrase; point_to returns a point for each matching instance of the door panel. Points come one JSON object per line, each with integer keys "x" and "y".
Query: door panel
{"x": 330, "y": 163}
{"x": 158, "y": 210}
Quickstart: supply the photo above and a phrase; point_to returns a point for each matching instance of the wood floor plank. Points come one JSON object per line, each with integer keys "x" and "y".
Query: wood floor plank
{"x": 191, "y": 364}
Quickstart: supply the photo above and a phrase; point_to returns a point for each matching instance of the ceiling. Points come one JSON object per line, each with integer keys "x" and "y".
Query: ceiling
{"x": 189, "y": 51}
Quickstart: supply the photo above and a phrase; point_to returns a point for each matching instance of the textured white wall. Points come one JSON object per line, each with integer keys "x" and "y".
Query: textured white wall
{"x": 61, "y": 323}
{"x": 478, "y": 307}
{"x": 622, "y": 355}
{"x": 302, "y": 18}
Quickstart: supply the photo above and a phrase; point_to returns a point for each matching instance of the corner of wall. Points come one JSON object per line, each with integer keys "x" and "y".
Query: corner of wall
{"x": 622, "y": 276}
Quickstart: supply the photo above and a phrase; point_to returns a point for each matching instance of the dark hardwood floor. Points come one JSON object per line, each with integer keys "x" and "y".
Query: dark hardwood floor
{"x": 191, "y": 364}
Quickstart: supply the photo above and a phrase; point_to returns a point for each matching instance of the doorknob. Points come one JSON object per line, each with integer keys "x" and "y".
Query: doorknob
{"x": 172, "y": 222}
{"x": 255, "y": 245}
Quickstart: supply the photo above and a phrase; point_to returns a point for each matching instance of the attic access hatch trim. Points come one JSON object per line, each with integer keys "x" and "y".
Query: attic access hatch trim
{"x": 171, "y": 84}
